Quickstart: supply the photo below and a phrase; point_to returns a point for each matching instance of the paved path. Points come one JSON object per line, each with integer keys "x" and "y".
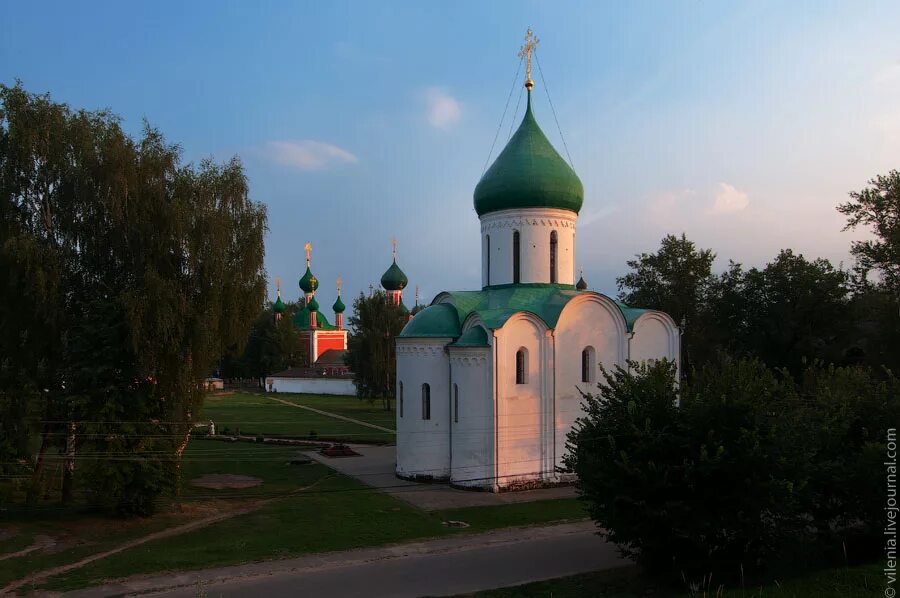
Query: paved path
{"x": 442, "y": 567}
{"x": 376, "y": 468}
{"x": 329, "y": 414}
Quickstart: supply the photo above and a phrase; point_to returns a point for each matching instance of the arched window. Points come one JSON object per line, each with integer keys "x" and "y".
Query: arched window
{"x": 426, "y": 401}
{"x": 553, "y": 246}
{"x": 400, "y": 406}
{"x": 522, "y": 366}
{"x": 455, "y": 403}
{"x": 588, "y": 359}
{"x": 516, "y": 257}
{"x": 487, "y": 266}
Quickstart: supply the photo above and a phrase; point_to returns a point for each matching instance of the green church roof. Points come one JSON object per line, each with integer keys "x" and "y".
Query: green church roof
{"x": 473, "y": 337}
{"x": 301, "y": 320}
{"x": 278, "y": 306}
{"x": 529, "y": 173}
{"x": 495, "y": 305}
{"x": 309, "y": 283}
{"x": 394, "y": 279}
{"x": 440, "y": 321}
{"x": 338, "y": 306}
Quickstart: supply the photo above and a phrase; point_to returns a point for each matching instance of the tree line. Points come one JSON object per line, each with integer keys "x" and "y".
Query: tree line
{"x": 125, "y": 276}
{"x": 767, "y": 456}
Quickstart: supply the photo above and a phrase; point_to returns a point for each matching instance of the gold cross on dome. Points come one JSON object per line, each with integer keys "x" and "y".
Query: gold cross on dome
{"x": 278, "y": 286}
{"x": 308, "y": 249}
{"x": 394, "y": 247}
{"x": 339, "y": 283}
{"x": 531, "y": 44}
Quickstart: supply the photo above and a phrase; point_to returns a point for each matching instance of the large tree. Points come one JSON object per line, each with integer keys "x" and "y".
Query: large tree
{"x": 793, "y": 309}
{"x": 877, "y": 208}
{"x": 371, "y": 350}
{"x": 127, "y": 275}
{"x": 676, "y": 279}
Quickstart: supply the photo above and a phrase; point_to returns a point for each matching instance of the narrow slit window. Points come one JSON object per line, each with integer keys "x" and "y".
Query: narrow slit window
{"x": 426, "y": 401}
{"x": 553, "y": 251}
{"x": 522, "y": 366}
{"x": 400, "y": 406}
{"x": 487, "y": 266}
{"x": 455, "y": 404}
{"x": 587, "y": 364}
{"x": 516, "y": 257}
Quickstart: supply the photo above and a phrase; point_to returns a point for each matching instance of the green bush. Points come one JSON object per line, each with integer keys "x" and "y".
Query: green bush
{"x": 724, "y": 475}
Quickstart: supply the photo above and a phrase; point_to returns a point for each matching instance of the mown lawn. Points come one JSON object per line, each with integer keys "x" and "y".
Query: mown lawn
{"x": 336, "y": 513}
{"x": 627, "y": 582}
{"x": 253, "y": 414}
{"x": 78, "y": 532}
{"x": 371, "y": 412}
{"x": 526, "y": 513}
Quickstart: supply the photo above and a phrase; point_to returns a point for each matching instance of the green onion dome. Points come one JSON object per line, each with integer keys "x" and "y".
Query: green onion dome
{"x": 581, "y": 285}
{"x": 313, "y": 305}
{"x": 309, "y": 283}
{"x": 279, "y": 305}
{"x": 529, "y": 173}
{"x": 394, "y": 279}
{"x": 338, "y": 306}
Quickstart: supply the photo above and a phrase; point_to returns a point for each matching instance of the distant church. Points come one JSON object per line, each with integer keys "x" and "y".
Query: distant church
{"x": 325, "y": 370}
{"x": 488, "y": 381}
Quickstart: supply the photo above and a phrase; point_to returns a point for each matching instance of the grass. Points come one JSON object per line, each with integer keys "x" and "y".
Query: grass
{"x": 627, "y": 582}
{"x": 371, "y": 412}
{"x": 79, "y": 533}
{"x": 527, "y": 513}
{"x": 253, "y": 414}
{"x": 337, "y": 513}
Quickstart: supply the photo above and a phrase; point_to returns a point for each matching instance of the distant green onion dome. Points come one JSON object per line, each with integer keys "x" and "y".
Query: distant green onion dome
{"x": 279, "y": 306}
{"x": 394, "y": 279}
{"x": 309, "y": 282}
{"x": 313, "y": 305}
{"x": 581, "y": 285}
{"x": 529, "y": 173}
{"x": 338, "y": 306}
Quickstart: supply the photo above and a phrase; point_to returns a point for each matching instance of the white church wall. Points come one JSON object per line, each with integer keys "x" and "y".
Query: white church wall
{"x": 423, "y": 445}
{"x": 319, "y": 386}
{"x": 589, "y": 320}
{"x": 655, "y": 337}
{"x": 472, "y": 427}
{"x": 535, "y": 226}
{"x": 522, "y": 408}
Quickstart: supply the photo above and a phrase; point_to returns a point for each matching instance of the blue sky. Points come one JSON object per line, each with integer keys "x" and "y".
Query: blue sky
{"x": 740, "y": 124}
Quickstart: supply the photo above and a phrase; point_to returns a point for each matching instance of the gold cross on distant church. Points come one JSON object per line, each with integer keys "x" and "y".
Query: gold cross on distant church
{"x": 531, "y": 44}
{"x": 340, "y": 282}
{"x": 308, "y": 248}
{"x": 394, "y": 247}
{"x": 278, "y": 286}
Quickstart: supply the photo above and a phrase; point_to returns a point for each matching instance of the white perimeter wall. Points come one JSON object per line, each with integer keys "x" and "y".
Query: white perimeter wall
{"x": 472, "y": 437}
{"x": 322, "y": 386}
{"x": 423, "y": 446}
{"x": 534, "y": 226}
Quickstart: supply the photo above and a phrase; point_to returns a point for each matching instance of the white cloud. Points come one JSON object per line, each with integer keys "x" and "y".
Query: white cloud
{"x": 307, "y": 154}
{"x": 728, "y": 200}
{"x": 441, "y": 109}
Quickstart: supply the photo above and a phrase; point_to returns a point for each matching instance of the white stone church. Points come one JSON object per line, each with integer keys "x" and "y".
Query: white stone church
{"x": 488, "y": 381}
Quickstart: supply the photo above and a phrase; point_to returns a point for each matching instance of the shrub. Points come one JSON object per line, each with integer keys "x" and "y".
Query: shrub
{"x": 724, "y": 476}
